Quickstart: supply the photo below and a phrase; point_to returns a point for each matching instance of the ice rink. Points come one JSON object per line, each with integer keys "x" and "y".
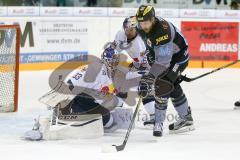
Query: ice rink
{"x": 217, "y": 134}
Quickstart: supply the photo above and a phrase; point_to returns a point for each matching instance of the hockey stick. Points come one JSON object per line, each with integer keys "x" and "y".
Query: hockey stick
{"x": 123, "y": 145}
{"x": 187, "y": 79}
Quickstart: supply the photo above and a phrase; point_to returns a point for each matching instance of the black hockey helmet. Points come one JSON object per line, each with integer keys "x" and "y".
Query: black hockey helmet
{"x": 145, "y": 13}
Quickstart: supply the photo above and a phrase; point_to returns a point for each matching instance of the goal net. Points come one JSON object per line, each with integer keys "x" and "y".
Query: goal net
{"x": 9, "y": 67}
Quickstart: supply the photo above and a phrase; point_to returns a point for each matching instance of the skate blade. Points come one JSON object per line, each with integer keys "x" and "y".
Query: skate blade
{"x": 183, "y": 130}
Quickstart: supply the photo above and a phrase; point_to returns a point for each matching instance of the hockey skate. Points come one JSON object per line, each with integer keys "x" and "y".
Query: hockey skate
{"x": 158, "y": 129}
{"x": 237, "y": 105}
{"x": 182, "y": 125}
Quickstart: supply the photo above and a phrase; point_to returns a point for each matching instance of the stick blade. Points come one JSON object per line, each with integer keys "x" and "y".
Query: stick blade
{"x": 119, "y": 148}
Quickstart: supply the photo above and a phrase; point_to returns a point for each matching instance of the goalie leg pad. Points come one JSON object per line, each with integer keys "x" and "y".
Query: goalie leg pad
{"x": 74, "y": 128}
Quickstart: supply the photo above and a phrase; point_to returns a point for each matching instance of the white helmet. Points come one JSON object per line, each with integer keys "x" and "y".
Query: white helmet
{"x": 130, "y": 22}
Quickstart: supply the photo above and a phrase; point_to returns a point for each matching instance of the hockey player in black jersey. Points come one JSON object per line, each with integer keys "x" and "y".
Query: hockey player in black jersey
{"x": 168, "y": 57}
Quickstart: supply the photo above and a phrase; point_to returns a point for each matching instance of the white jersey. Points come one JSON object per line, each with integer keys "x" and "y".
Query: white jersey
{"x": 101, "y": 81}
{"x": 99, "y": 86}
{"x": 91, "y": 80}
{"x": 135, "y": 49}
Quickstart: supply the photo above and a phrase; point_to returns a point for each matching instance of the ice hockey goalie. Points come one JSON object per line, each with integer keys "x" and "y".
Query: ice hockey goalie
{"x": 86, "y": 103}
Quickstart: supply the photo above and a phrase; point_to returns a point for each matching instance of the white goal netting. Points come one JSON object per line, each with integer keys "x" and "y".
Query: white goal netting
{"x": 9, "y": 61}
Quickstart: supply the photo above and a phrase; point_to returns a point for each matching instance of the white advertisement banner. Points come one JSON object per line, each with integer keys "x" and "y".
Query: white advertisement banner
{"x": 63, "y": 35}
{"x": 23, "y": 11}
{"x": 196, "y": 13}
{"x": 180, "y": 4}
{"x": 51, "y": 39}
{"x": 168, "y": 9}
{"x": 3, "y": 11}
{"x": 122, "y": 12}
{"x": 229, "y": 14}
{"x": 87, "y": 11}
{"x": 170, "y": 13}
{"x": 56, "y": 11}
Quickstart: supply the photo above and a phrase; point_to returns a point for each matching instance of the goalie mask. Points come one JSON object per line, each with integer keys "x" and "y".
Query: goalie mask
{"x": 110, "y": 58}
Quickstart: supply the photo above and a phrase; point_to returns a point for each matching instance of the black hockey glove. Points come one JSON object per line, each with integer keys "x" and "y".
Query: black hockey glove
{"x": 146, "y": 85}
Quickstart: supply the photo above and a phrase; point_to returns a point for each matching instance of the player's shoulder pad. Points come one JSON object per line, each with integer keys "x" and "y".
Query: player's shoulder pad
{"x": 161, "y": 33}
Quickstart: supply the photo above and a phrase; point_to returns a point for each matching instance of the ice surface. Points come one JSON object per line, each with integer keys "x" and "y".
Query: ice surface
{"x": 217, "y": 134}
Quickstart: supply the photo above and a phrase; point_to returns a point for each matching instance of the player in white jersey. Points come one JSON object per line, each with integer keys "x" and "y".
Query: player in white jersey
{"x": 88, "y": 90}
{"x": 127, "y": 39}
{"x": 95, "y": 91}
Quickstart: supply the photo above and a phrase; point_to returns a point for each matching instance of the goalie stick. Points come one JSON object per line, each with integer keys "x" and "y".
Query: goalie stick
{"x": 187, "y": 79}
